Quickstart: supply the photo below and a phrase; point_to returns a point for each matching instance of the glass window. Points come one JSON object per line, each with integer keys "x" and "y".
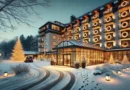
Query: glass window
{"x": 54, "y": 37}
{"x": 54, "y": 27}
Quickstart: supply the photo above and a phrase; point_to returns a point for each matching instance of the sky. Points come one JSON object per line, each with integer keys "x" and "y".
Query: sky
{"x": 59, "y": 10}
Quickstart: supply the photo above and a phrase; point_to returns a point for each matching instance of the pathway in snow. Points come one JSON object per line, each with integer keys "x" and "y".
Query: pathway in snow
{"x": 44, "y": 77}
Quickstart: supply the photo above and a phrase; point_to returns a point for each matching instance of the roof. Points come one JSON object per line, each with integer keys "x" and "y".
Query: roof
{"x": 30, "y": 52}
{"x": 120, "y": 49}
{"x": 73, "y": 43}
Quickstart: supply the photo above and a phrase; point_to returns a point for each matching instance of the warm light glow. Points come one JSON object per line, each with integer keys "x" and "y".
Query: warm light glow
{"x": 108, "y": 78}
{"x": 119, "y": 72}
{"x": 114, "y": 43}
{"x": 5, "y": 74}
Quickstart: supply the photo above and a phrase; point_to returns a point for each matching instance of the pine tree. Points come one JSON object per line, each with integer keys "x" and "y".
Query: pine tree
{"x": 125, "y": 60}
{"x": 18, "y": 54}
{"x": 111, "y": 60}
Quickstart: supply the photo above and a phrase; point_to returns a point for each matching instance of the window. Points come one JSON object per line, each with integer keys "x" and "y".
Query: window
{"x": 46, "y": 43}
{"x": 46, "y": 36}
{"x": 54, "y": 37}
{"x": 54, "y": 27}
{"x": 54, "y": 43}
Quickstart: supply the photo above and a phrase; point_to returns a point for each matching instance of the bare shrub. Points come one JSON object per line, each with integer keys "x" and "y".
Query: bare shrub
{"x": 20, "y": 68}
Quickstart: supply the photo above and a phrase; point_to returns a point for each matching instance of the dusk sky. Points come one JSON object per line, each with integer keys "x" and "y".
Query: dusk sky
{"x": 59, "y": 10}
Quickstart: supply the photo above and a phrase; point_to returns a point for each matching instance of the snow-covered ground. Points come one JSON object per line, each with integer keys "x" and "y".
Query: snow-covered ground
{"x": 84, "y": 78}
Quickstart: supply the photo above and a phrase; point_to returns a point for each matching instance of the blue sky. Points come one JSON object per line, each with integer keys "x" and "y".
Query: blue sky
{"x": 59, "y": 10}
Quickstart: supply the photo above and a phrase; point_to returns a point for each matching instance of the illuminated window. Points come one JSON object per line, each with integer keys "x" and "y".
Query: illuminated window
{"x": 54, "y": 27}
{"x": 54, "y": 43}
{"x": 54, "y": 37}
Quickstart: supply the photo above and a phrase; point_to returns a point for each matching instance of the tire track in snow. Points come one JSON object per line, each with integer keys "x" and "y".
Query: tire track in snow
{"x": 71, "y": 83}
{"x": 28, "y": 86}
{"x": 51, "y": 85}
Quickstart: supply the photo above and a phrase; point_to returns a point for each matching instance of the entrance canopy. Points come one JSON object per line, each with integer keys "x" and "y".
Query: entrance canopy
{"x": 73, "y": 43}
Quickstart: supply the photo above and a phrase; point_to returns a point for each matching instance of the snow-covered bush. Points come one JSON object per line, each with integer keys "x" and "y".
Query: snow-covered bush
{"x": 97, "y": 72}
{"x": 20, "y": 68}
{"x": 104, "y": 68}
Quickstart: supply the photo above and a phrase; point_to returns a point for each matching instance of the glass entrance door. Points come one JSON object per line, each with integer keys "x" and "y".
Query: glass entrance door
{"x": 66, "y": 59}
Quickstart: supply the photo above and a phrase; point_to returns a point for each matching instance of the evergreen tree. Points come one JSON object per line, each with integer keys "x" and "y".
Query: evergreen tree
{"x": 125, "y": 60}
{"x": 18, "y": 54}
{"x": 111, "y": 60}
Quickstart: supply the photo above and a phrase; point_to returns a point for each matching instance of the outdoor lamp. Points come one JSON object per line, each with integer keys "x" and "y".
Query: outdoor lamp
{"x": 123, "y": 69}
{"x": 107, "y": 77}
{"x": 0, "y": 54}
{"x": 5, "y": 74}
{"x": 119, "y": 72}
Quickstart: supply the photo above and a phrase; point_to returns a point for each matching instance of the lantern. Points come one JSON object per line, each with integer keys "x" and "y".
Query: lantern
{"x": 107, "y": 77}
{"x": 5, "y": 74}
{"x": 119, "y": 72}
{"x": 123, "y": 70}
{"x": 127, "y": 68}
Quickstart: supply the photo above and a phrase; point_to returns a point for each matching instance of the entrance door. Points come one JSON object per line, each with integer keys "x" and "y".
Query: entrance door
{"x": 67, "y": 59}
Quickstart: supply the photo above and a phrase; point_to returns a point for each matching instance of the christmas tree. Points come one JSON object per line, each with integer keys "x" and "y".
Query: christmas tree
{"x": 18, "y": 54}
{"x": 111, "y": 60}
{"x": 125, "y": 60}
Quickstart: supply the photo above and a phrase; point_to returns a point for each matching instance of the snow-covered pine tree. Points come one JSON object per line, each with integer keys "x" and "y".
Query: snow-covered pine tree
{"x": 125, "y": 60}
{"x": 18, "y": 53}
{"x": 111, "y": 60}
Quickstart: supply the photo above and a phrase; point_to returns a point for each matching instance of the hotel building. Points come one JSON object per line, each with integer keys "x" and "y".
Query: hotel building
{"x": 94, "y": 36}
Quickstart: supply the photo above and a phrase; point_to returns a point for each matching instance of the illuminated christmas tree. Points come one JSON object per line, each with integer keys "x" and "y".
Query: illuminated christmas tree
{"x": 111, "y": 60}
{"x": 18, "y": 54}
{"x": 125, "y": 60}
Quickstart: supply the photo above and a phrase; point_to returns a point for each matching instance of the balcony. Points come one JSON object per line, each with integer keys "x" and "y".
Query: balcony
{"x": 124, "y": 43}
{"x": 124, "y": 34}
{"x": 110, "y": 45}
{"x": 124, "y": 4}
{"x": 124, "y": 14}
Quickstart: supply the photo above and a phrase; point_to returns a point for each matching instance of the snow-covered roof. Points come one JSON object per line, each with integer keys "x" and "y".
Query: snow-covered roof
{"x": 73, "y": 43}
{"x": 30, "y": 52}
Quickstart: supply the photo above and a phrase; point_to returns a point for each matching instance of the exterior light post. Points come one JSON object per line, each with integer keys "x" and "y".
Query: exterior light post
{"x": 5, "y": 74}
{"x": 107, "y": 77}
{"x": 119, "y": 72}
